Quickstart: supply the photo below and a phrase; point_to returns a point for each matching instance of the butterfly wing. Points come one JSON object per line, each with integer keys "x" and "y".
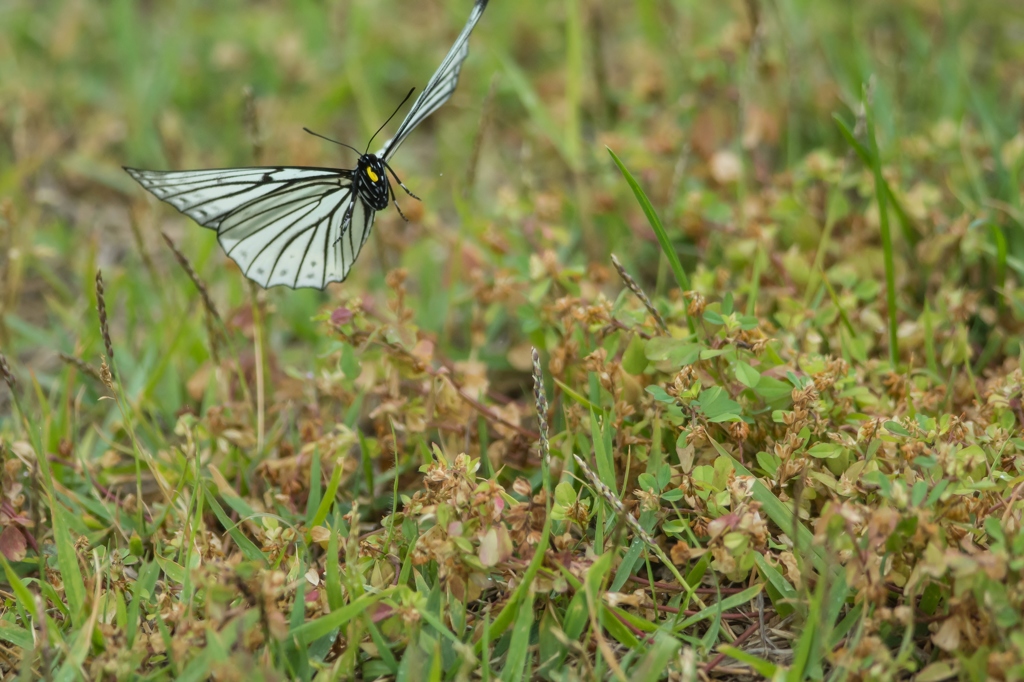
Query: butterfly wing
{"x": 300, "y": 227}
{"x": 440, "y": 87}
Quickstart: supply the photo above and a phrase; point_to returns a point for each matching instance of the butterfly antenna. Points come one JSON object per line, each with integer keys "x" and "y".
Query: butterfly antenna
{"x": 324, "y": 137}
{"x": 389, "y": 119}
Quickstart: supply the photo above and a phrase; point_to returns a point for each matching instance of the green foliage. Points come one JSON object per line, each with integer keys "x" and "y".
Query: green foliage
{"x": 781, "y": 439}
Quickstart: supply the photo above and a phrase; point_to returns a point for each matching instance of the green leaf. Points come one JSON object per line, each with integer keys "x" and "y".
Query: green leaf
{"x": 349, "y": 362}
{"x": 678, "y": 352}
{"x": 673, "y": 495}
{"x": 717, "y": 406}
{"x": 712, "y": 317}
{"x": 746, "y": 375}
{"x": 825, "y": 450}
{"x": 772, "y": 389}
{"x": 660, "y": 394}
{"x": 565, "y": 494}
{"x": 634, "y": 358}
{"x": 674, "y": 526}
{"x": 896, "y": 429}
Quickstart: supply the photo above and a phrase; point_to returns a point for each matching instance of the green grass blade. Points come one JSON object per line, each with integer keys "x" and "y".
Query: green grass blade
{"x": 328, "y": 498}
{"x": 519, "y": 646}
{"x": 765, "y": 669}
{"x": 313, "y": 630}
{"x": 731, "y": 602}
{"x": 245, "y": 545}
{"x": 659, "y": 230}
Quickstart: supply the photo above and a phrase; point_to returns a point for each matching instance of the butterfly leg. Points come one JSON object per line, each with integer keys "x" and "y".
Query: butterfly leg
{"x": 400, "y": 184}
{"x": 394, "y": 200}
{"x": 346, "y": 222}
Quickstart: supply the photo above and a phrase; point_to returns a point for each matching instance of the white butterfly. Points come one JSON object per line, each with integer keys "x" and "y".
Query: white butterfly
{"x": 302, "y": 226}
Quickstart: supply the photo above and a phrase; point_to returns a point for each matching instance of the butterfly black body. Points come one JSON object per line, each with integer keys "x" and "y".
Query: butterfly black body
{"x": 371, "y": 182}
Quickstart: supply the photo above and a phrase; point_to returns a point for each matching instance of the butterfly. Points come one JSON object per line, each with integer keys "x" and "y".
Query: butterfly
{"x": 302, "y": 226}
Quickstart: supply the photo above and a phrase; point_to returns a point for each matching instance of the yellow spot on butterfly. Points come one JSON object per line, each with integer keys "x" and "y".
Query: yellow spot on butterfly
{"x": 373, "y": 176}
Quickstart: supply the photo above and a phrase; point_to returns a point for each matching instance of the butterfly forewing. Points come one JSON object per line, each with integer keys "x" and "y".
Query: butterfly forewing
{"x": 440, "y": 87}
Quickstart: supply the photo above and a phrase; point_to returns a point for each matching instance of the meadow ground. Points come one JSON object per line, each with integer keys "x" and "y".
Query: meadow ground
{"x": 778, "y": 435}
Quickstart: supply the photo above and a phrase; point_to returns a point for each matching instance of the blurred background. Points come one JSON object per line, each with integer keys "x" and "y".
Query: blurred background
{"x": 723, "y": 111}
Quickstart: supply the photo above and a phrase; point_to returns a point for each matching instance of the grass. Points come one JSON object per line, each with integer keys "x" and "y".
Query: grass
{"x": 777, "y": 434}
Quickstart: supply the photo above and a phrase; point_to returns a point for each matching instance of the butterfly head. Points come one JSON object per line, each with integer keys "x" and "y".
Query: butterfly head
{"x": 372, "y": 181}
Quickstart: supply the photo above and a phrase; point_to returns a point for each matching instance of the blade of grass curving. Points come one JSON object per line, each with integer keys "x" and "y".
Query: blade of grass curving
{"x": 504, "y": 618}
{"x": 910, "y": 234}
{"x": 603, "y": 458}
{"x": 931, "y": 359}
{"x": 67, "y": 561}
{"x": 387, "y": 658}
{"x": 537, "y": 111}
{"x": 870, "y": 156}
{"x": 634, "y": 553}
{"x": 659, "y": 230}
{"x": 83, "y": 637}
{"x": 485, "y": 664}
{"x": 328, "y": 499}
{"x": 142, "y": 591}
{"x": 765, "y": 669}
{"x": 20, "y": 591}
{"x": 882, "y": 196}
{"x": 809, "y": 640}
{"x": 1002, "y": 251}
{"x": 67, "y": 558}
{"x": 313, "y": 501}
{"x": 313, "y": 630}
{"x": 836, "y": 204}
{"x": 788, "y": 597}
{"x": 731, "y": 602}
{"x": 835, "y": 300}
{"x": 519, "y": 646}
{"x": 576, "y": 396}
{"x": 245, "y": 545}
{"x": 335, "y": 598}
{"x": 18, "y": 636}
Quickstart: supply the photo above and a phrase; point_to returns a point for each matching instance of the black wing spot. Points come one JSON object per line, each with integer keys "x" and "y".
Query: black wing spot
{"x": 267, "y": 177}
{"x": 259, "y": 271}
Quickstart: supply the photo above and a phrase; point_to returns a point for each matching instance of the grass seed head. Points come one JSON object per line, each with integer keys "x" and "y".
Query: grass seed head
{"x": 101, "y": 306}
{"x": 5, "y": 369}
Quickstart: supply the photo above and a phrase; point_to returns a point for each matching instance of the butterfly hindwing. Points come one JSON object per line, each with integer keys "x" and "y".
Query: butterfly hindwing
{"x": 280, "y": 225}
